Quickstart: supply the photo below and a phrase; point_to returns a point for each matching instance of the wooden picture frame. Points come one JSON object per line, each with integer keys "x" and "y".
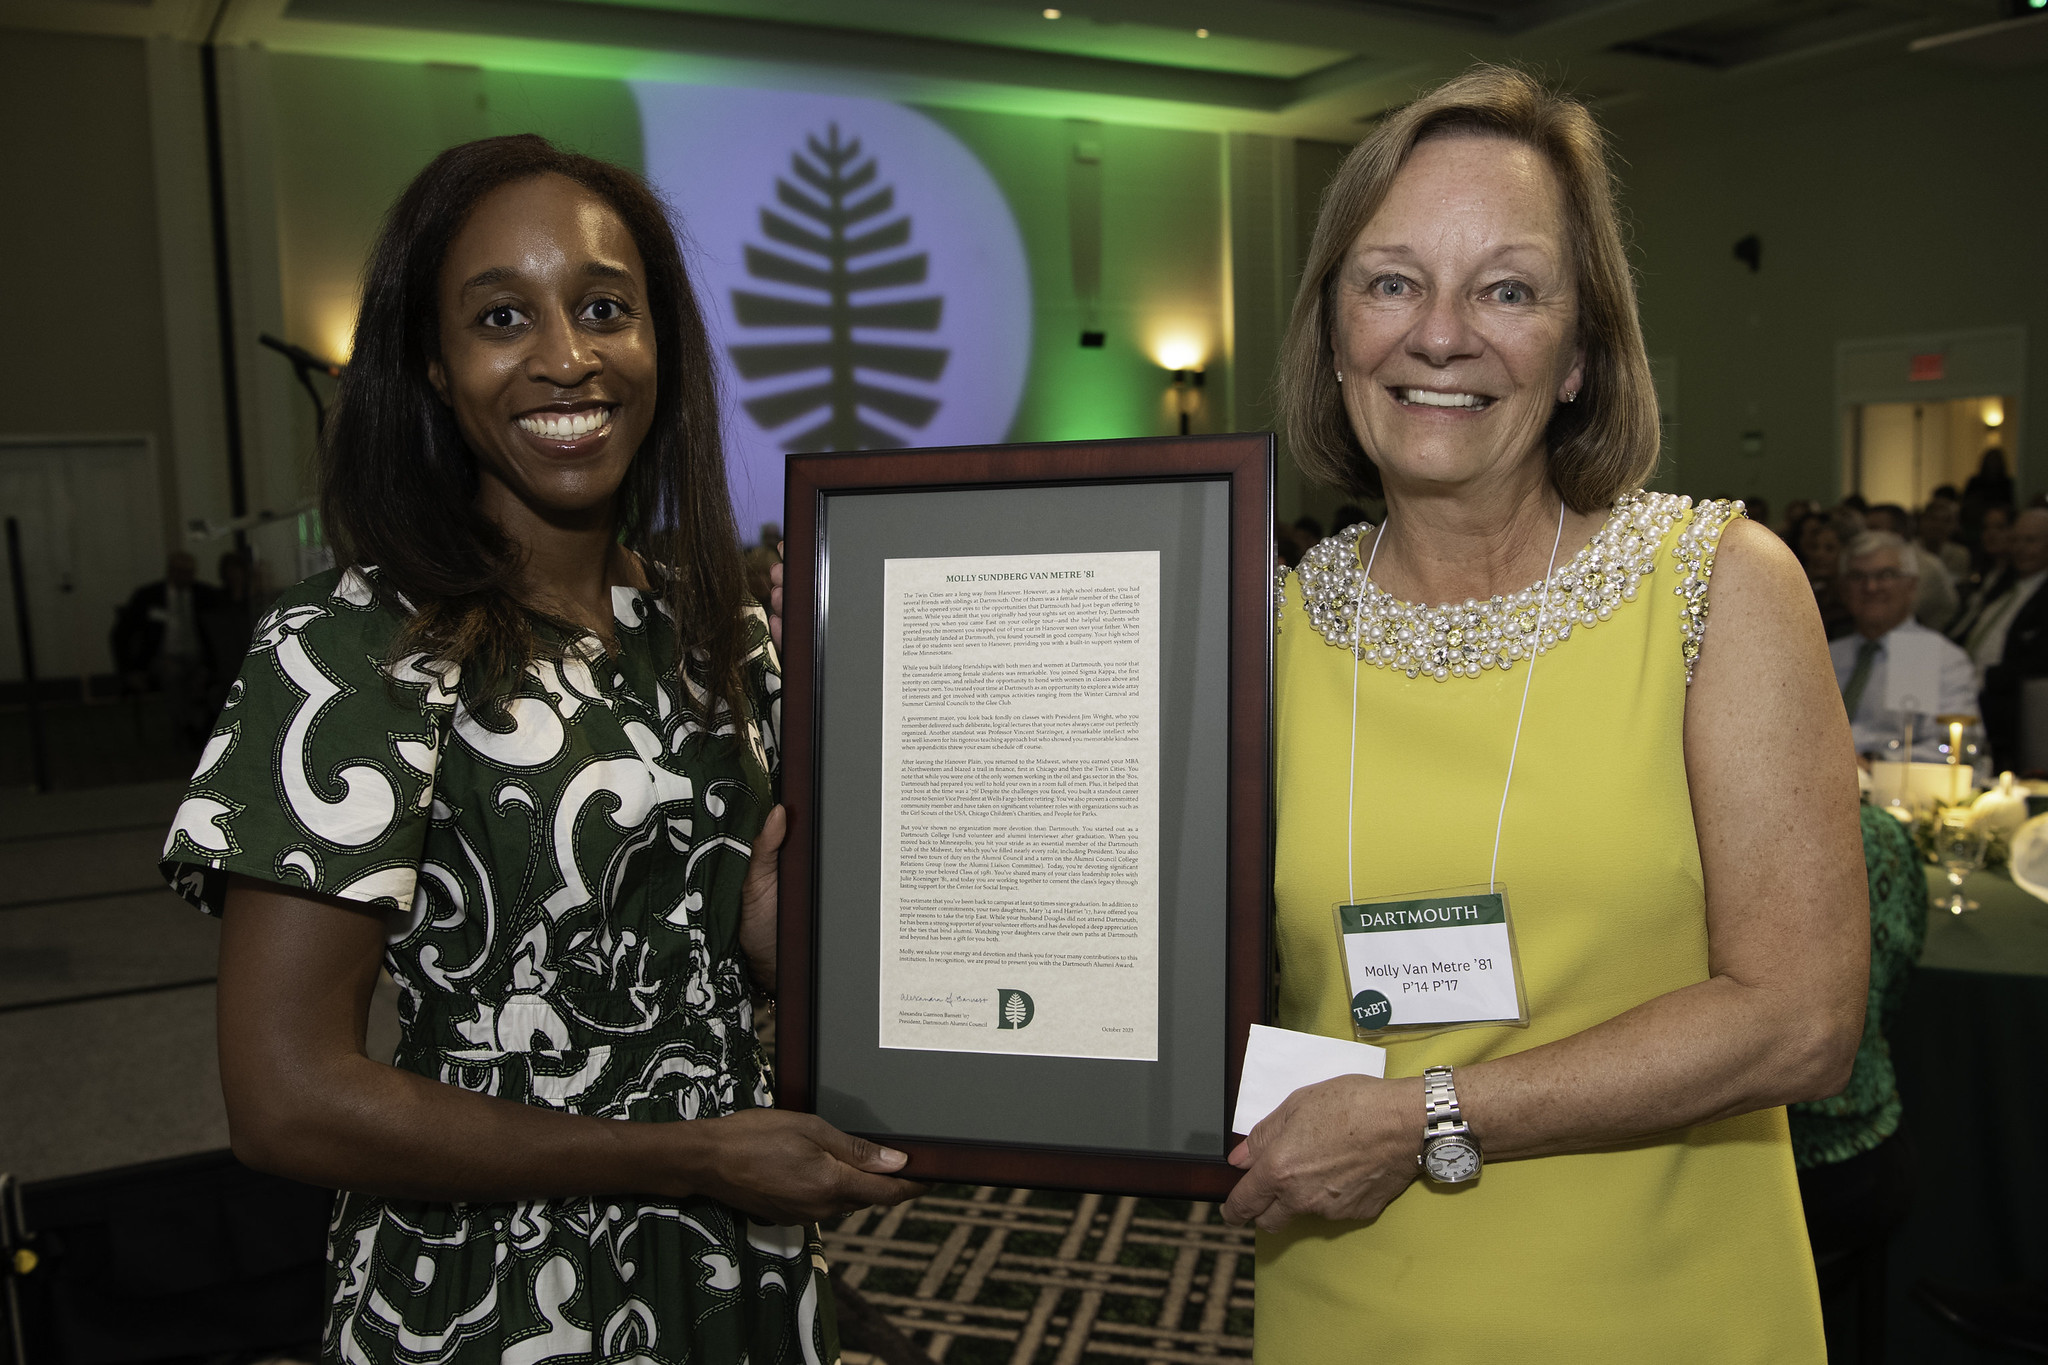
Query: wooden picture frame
{"x": 1206, "y": 503}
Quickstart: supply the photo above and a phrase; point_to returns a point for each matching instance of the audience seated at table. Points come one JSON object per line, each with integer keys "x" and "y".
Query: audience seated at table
{"x": 1934, "y": 532}
{"x": 1880, "y": 580}
{"x": 1991, "y": 567}
{"x": 1990, "y": 486}
{"x": 1938, "y": 601}
{"x": 1819, "y": 549}
{"x": 2008, "y": 639}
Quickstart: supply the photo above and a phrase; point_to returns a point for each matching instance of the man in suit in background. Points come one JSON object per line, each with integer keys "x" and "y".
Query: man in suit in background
{"x": 1995, "y": 537}
{"x": 2009, "y": 639}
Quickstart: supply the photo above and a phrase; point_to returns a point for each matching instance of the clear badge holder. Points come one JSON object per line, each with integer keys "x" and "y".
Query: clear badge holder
{"x": 1431, "y": 961}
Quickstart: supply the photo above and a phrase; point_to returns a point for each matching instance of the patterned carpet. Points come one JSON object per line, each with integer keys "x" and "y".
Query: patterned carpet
{"x": 987, "y": 1276}
{"x": 979, "y": 1275}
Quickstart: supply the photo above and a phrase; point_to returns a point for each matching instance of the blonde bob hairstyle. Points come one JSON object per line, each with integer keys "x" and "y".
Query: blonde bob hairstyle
{"x": 1599, "y": 447}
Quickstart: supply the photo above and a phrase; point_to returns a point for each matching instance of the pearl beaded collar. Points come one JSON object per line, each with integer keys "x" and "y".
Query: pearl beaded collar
{"x": 1462, "y": 639}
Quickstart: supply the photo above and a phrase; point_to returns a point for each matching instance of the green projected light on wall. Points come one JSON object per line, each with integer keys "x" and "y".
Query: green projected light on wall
{"x": 861, "y": 274}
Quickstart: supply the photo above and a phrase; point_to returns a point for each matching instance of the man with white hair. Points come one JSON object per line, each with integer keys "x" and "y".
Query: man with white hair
{"x": 1880, "y": 582}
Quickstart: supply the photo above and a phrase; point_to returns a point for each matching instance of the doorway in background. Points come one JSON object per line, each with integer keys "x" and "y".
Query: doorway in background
{"x": 90, "y": 514}
{"x": 1902, "y": 452}
{"x": 91, "y": 517}
{"x": 1919, "y": 411}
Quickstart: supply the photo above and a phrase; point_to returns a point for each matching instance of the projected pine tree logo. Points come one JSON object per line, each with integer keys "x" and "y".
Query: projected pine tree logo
{"x": 824, "y": 234}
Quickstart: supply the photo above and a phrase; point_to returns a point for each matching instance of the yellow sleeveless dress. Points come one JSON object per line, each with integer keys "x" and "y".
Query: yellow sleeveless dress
{"x": 1686, "y": 1248}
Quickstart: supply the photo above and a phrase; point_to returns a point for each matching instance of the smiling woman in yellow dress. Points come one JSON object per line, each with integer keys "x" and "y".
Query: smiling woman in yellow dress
{"x": 1671, "y": 806}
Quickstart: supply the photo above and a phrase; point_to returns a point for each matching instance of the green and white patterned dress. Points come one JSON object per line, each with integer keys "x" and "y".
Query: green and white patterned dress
{"x": 563, "y": 889}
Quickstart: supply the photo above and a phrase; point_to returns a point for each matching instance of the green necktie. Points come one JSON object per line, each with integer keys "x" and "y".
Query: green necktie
{"x": 1866, "y": 656}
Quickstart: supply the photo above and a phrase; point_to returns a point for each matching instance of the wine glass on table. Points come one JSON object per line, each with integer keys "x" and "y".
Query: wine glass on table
{"x": 1891, "y": 778}
{"x": 1960, "y": 847}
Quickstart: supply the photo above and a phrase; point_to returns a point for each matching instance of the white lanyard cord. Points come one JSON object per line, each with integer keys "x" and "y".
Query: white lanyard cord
{"x": 1351, "y": 782}
{"x": 1536, "y": 636}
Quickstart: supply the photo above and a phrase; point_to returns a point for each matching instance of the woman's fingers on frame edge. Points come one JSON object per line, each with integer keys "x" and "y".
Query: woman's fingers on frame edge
{"x": 1248, "y": 1200}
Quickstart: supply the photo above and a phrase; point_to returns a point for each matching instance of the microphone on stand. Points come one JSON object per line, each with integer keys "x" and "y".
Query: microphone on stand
{"x": 300, "y": 356}
{"x": 304, "y": 362}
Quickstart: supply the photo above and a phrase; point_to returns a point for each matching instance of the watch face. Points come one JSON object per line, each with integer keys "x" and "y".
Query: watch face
{"x": 1451, "y": 1160}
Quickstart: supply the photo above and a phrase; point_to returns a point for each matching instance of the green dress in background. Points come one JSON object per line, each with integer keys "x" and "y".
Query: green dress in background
{"x": 562, "y": 886}
{"x": 1867, "y": 1111}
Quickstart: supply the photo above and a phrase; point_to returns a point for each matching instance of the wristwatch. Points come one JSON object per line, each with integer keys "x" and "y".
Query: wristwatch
{"x": 1450, "y": 1154}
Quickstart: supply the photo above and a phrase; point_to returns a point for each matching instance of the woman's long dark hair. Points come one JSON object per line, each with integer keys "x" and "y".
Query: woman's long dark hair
{"x": 398, "y": 485}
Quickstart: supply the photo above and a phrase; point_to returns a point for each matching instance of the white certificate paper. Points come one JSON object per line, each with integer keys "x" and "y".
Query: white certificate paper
{"x": 1020, "y": 805}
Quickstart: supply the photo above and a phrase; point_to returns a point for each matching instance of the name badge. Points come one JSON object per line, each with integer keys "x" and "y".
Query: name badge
{"x": 1423, "y": 964}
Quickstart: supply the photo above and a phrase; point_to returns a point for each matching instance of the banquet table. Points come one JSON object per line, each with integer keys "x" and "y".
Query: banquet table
{"x": 1971, "y": 1049}
{"x": 2007, "y": 935}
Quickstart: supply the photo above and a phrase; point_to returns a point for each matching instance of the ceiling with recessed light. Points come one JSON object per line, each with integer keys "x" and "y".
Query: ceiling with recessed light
{"x": 1314, "y": 68}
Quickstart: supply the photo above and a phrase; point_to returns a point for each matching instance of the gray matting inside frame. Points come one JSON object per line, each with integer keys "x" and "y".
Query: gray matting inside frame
{"x": 1174, "y": 1105}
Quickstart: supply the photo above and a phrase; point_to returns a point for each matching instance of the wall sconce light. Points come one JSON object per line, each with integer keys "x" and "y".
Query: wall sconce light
{"x": 1180, "y": 353}
{"x": 1994, "y": 412}
{"x": 1185, "y": 382}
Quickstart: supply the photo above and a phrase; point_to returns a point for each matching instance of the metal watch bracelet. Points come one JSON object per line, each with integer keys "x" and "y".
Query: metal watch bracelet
{"x": 1450, "y": 1153}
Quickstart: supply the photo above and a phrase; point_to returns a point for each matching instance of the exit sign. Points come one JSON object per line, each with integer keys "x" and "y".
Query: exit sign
{"x": 1933, "y": 365}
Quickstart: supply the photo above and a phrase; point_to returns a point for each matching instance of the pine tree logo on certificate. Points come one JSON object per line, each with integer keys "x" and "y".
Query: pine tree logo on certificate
{"x": 1015, "y": 1010}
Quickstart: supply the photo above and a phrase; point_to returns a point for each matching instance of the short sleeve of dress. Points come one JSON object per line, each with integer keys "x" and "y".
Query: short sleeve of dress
{"x": 1694, "y": 555}
{"x": 319, "y": 774}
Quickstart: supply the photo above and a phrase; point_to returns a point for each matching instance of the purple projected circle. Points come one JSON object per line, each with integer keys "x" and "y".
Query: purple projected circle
{"x": 861, "y": 274}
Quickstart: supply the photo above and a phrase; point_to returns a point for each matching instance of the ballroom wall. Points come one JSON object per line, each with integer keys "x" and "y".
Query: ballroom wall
{"x": 348, "y": 133}
{"x": 1890, "y": 202}
{"x": 1893, "y": 201}
{"x": 85, "y": 343}
{"x": 1896, "y": 202}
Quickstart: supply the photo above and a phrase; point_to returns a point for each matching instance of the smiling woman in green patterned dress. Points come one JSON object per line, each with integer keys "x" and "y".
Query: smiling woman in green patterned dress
{"x": 520, "y": 750}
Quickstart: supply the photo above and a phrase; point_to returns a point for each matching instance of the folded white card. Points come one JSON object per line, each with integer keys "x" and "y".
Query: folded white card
{"x": 1278, "y": 1062}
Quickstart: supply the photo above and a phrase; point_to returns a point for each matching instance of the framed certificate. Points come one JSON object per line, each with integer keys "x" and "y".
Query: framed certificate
{"x": 1026, "y": 759}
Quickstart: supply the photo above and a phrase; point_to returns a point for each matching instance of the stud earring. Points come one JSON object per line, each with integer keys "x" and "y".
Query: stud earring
{"x": 1572, "y": 397}
{"x": 1340, "y": 376}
